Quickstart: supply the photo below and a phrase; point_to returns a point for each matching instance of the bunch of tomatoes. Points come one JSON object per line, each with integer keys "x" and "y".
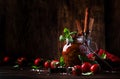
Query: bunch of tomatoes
{"x": 85, "y": 67}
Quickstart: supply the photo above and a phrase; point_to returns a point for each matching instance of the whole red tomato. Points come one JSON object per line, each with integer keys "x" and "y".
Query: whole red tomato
{"x": 21, "y": 60}
{"x": 76, "y": 70}
{"x": 95, "y": 68}
{"x": 6, "y": 59}
{"x": 54, "y": 64}
{"x": 86, "y": 67}
{"x": 37, "y": 61}
{"x": 91, "y": 56}
{"x": 47, "y": 64}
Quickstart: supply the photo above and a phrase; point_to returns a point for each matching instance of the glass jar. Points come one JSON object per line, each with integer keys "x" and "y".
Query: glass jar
{"x": 71, "y": 51}
{"x": 80, "y": 46}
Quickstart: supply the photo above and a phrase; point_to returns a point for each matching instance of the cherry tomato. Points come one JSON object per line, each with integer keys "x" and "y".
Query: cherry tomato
{"x": 37, "y": 61}
{"x": 86, "y": 67}
{"x": 6, "y": 59}
{"x": 54, "y": 63}
{"x": 47, "y": 64}
{"x": 76, "y": 70}
{"x": 95, "y": 68}
{"x": 21, "y": 60}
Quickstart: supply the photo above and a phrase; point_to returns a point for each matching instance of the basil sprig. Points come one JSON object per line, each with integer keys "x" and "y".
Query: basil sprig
{"x": 67, "y": 35}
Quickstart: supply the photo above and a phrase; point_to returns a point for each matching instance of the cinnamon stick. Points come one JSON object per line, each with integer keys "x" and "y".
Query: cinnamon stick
{"x": 85, "y": 21}
{"x": 91, "y": 25}
{"x": 78, "y": 27}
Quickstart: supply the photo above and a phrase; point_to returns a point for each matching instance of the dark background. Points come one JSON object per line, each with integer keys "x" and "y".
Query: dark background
{"x": 32, "y": 27}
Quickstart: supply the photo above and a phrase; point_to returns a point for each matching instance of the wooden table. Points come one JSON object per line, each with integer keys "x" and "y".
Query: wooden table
{"x": 10, "y": 73}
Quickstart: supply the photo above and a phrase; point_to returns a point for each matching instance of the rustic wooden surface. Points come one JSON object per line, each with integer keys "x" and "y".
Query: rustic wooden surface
{"x": 9, "y": 73}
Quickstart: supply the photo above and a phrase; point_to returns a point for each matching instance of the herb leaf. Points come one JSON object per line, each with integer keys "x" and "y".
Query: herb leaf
{"x": 66, "y": 31}
{"x": 67, "y": 35}
{"x": 35, "y": 67}
{"x": 73, "y": 32}
{"x": 103, "y": 56}
{"x": 62, "y": 61}
{"x": 87, "y": 73}
{"x": 61, "y": 38}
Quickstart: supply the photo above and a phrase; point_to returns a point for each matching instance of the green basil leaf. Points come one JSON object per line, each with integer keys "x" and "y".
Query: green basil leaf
{"x": 66, "y": 31}
{"x": 79, "y": 56}
{"x": 62, "y": 38}
{"x": 35, "y": 67}
{"x": 62, "y": 61}
{"x": 87, "y": 73}
{"x": 83, "y": 58}
{"x": 94, "y": 62}
{"x": 67, "y": 35}
{"x": 70, "y": 39}
{"x": 103, "y": 56}
{"x": 73, "y": 32}
{"x": 16, "y": 66}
